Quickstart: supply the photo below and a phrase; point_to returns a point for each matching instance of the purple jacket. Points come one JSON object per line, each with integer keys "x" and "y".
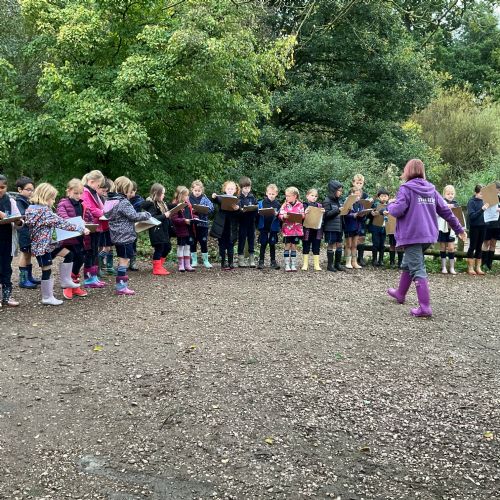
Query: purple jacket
{"x": 416, "y": 209}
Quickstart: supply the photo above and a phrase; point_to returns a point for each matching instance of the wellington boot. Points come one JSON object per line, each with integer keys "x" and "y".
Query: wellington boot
{"x": 305, "y": 262}
{"x": 470, "y": 267}
{"x": 479, "y": 271}
{"x": 316, "y": 263}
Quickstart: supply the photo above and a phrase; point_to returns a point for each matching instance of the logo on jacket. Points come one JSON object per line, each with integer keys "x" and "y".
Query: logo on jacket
{"x": 426, "y": 201}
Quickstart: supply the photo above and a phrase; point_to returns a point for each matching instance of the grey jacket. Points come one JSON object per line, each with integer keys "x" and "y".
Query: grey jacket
{"x": 122, "y": 217}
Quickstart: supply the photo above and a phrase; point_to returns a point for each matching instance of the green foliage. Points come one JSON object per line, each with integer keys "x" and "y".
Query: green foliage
{"x": 465, "y": 186}
{"x": 464, "y": 131}
{"x": 471, "y": 57}
{"x": 131, "y": 85}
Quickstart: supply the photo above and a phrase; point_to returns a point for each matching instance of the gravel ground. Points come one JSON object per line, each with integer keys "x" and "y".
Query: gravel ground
{"x": 253, "y": 384}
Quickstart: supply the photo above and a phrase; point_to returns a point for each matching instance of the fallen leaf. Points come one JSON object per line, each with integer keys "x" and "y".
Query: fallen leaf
{"x": 98, "y": 348}
{"x": 269, "y": 440}
{"x": 488, "y": 435}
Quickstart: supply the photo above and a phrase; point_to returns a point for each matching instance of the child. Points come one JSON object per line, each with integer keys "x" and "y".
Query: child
{"x": 446, "y": 236}
{"x": 378, "y": 232}
{"x": 137, "y": 200}
{"x": 247, "y": 224}
{"x": 312, "y": 237}
{"x": 269, "y": 227}
{"x": 159, "y": 236}
{"x": 492, "y": 235}
{"x": 333, "y": 226}
{"x": 351, "y": 231}
{"x": 42, "y": 222}
{"x": 8, "y": 246}
{"x": 25, "y": 187}
{"x": 358, "y": 181}
{"x": 292, "y": 231}
{"x": 477, "y": 231}
{"x": 225, "y": 226}
{"x": 72, "y": 206}
{"x": 184, "y": 228}
{"x": 122, "y": 217}
{"x": 93, "y": 203}
{"x": 105, "y": 243}
{"x": 197, "y": 197}
{"x": 416, "y": 208}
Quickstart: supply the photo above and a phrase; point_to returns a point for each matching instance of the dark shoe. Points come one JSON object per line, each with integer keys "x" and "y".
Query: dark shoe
{"x": 31, "y": 278}
{"x": 330, "y": 256}
{"x": 24, "y": 281}
{"x": 260, "y": 265}
{"x": 275, "y": 265}
{"x": 361, "y": 262}
{"x": 338, "y": 265}
{"x": 133, "y": 266}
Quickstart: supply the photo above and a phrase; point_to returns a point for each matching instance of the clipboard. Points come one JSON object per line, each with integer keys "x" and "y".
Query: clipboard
{"x": 227, "y": 202}
{"x": 314, "y": 218}
{"x": 200, "y": 209}
{"x": 146, "y": 224}
{"x": 366, "y": 204}
{"x": 364, "y": 212}
{"x": 92, "y": 227}
{"x": 250, "y": 208}
{"x": 378, "y": 220}
{"x": 294, "y": 218}
{"x": 490, "y": 194}
{"x": 267, "y": 212}
{"x": 349, "y": 202}
{"x": 459, "y": 214}
{"x": 176, "y": 209}
{"x": 11, "y": 218}
{"x": 390, "y": 226}
{"x": 62, "y": 234}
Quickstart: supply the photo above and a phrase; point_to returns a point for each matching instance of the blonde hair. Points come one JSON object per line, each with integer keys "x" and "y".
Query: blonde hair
{"x": 74, "y": 185}
{"x": 292, "y": 190}
{"x": 274, "y": 187}
{"x": 227, "y": 183}
{"x": 43, "y": 193}
{"x": 93, "y": 175}
{"x": 311, "y": 191}
{"x": 156, "y": 191}
{"x": 358, "y": 177}
{"x": 108, "y": 185}
{"x": 449, "y": 187}
{"x": 123, "y": 185}
{"x": 179, "y": 193}
{"x": 198, "y": 183}
{"x": 355, "y": 189}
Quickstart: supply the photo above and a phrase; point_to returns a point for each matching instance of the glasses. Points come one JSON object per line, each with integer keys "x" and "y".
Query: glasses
{"x": 28, "y": 190}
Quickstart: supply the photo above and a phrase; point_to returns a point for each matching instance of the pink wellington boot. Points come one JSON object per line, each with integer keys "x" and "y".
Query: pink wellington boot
{"x": 404, "y": 284}
{"x": 424, "y": 299}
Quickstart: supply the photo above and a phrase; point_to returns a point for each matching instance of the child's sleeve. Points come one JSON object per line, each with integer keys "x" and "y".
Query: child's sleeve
{"x": 129, "y": 212}
{"x": 331, "y": 210}
{"x": 399, "y": 207}
{"x": 61, "y": 210}
{"x": 283, "y": 211}
{"x": 95, "y": 211}
{"x": 206, "y": 201}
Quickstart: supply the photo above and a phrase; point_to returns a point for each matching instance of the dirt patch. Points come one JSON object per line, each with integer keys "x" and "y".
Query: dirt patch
{"x": 253, "y": 384}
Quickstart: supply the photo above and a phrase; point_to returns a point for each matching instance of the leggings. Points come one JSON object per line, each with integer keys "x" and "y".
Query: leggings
{"x": 378, "y": 240}
{"x": 246, "y": 233}
{"x": 161, "y": 250}
{"x": 200, "y": 237}
{"x": 90, "y": 257}
{"x": 476, "y": 237}
{"x": 315, "y": 244}
{"x": 78, "y": 257}
{"x": 6, "y": 261}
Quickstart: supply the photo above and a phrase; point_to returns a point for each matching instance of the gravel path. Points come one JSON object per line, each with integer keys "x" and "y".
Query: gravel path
{"x": 251, "y": 384}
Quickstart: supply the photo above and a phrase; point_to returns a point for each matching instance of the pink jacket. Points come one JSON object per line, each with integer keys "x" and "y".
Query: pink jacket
{"x": 292, "y": 228}
{"x": 94, "y": 205}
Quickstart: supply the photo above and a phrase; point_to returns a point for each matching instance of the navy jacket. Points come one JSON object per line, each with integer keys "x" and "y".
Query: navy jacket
{"x": 475, "y": 214}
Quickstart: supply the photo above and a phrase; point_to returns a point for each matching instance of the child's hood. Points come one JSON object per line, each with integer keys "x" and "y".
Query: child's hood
{"x": 111, "y": 204}
{"x": 333, "y": 187}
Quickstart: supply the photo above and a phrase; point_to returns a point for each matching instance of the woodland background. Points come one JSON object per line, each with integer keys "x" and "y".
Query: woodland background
{"x": 293, "y": 92}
